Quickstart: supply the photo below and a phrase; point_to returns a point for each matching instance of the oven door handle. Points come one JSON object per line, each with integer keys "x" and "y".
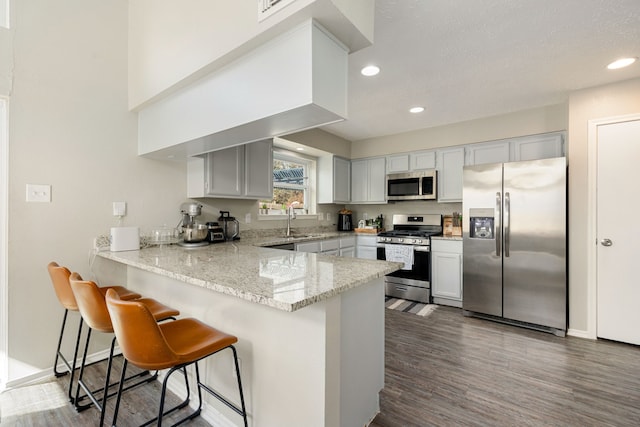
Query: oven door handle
{"x": 422, "y": 249}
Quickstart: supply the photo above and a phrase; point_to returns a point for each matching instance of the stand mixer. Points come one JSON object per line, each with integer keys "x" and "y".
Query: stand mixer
{"x": 193, "y": 234}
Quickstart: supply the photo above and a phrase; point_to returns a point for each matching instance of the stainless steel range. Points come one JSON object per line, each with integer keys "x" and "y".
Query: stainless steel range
{"x": 410, "y": 242}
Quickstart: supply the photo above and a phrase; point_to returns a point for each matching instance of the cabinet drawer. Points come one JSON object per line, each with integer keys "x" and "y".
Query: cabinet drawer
{"x": 308, "y": 247}
{"x": 347, "y": 242}
{"x": 367, "y": 240}
{"x": 329, "y": 245}
{"x": 438, "y": 245}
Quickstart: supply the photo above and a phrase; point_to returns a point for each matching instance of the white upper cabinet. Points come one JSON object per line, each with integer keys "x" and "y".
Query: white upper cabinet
{"x": 408, "y": 162}
{"x": 368, "y": 180}
{"x": 244, "y": 171}
{"x": 490, "y": 152}
{"x": 422, "y": 160}
{"x": 532, "y": 147}
{"x": 449, "y": 165}
{"x": 537, "y": 147}
{"x": 334, "y": 180}
{"x": 398, "y": 163}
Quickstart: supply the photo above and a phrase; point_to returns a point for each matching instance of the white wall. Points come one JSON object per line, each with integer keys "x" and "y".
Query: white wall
{"x": 172, "y": 44}
{"x": 584, "y": 105}
{"x": 528, "y": 122}
{"x": 69, "y": 127}
{"x": 160, "y": 31}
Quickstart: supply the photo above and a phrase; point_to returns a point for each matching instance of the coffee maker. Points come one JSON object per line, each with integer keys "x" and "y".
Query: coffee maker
{"x": 345, "y": 220}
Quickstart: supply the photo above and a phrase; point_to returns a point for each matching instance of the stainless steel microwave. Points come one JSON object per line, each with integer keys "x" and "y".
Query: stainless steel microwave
{"x": 412, "y": 186}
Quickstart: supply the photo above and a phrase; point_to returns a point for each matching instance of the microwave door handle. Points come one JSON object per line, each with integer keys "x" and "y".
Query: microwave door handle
{"x": 507, "y": 223}
{"x": 496, "y": 226}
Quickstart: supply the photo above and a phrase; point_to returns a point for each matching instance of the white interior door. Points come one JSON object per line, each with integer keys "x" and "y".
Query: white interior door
{"x": 618, "y": 234}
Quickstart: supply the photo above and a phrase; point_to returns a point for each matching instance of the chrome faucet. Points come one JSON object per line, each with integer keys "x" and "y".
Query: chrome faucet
{"x": 290, "y": 215}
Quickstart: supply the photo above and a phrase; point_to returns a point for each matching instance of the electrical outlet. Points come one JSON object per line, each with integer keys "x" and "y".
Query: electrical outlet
{"x": 247, "y": 218}
{"x": 119, "y": 208}
{"x": 38, "y": 193}
{"x": 329, "y": 216}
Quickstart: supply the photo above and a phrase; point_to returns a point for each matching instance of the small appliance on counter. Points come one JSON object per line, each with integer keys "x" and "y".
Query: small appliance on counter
{"x": 216, "y": 233}
{"x": 193, "y": 233}
{"x": 124, "y": 239}
{"x": 230, "y": 226}
{"x": 345, "y": 220}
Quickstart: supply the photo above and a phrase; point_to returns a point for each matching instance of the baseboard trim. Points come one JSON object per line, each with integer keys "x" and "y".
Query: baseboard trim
{"x": 47, "y": 374}
{"x": 580, "y": 334}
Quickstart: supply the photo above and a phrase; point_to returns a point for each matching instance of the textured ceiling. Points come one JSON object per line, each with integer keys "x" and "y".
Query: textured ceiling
{"x": 467, "y": 59}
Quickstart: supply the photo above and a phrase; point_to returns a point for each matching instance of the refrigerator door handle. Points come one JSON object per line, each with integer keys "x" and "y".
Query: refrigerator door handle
{"x": 497, "y": 227}
{"x": 507, "y": 223}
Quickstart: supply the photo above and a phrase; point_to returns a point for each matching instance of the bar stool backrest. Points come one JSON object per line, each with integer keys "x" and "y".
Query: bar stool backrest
{"x": 91, "y": 303}
{"x": 139, "y": 336}
{"x": 60, "y": 279}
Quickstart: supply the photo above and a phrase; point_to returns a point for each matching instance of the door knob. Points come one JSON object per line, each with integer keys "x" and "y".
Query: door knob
{"x": 606, "y": 242}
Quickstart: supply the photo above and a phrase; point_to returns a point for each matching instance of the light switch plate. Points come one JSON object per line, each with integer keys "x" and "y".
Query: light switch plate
{"x": 38, "y": 193}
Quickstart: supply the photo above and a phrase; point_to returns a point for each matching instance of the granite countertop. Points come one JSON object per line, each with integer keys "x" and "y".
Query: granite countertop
{"x": 285, "y": 280}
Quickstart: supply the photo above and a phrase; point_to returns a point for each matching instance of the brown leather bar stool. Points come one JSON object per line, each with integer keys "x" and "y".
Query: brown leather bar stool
{"x": 176, "y": 345}
{"x": 93, "y": 308}
{"x": 60, "y": 280}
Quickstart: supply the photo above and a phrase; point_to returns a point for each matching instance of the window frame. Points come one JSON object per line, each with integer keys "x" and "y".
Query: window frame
{"x": 309, "y": 186}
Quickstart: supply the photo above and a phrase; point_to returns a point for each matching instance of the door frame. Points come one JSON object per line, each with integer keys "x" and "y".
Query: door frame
{"x": 4, "y": 241}
{"x": 592, "y": 217}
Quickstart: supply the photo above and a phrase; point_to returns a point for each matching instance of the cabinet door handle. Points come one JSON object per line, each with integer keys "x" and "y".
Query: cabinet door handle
{"x": 606, "y": 242}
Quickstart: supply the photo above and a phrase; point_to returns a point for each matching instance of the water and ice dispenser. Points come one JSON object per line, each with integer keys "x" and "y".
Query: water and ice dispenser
{"x": 481, "y": 224}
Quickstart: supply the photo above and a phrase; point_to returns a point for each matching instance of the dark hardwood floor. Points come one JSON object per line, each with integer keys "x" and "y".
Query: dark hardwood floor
{"x": 450, "y": 370}
{"x": 441, "y": 370}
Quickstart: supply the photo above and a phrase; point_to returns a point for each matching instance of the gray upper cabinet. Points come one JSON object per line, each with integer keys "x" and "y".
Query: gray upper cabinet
{"x": 334, "y": 180}
{"x": 244, "y": 171}
{"x": 368, "y": 180}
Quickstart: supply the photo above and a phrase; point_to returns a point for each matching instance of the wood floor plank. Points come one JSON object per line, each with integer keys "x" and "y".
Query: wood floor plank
{"x": 441, "y": 370}
{"x": 450, "y": 370}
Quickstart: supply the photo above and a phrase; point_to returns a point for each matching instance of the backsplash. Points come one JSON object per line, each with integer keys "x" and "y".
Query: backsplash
{"x": 408, "y": 207}
{"x": 240, "y": 209}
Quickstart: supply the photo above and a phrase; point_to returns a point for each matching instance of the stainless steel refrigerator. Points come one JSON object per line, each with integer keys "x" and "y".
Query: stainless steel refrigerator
{"x": 514, "y": 243}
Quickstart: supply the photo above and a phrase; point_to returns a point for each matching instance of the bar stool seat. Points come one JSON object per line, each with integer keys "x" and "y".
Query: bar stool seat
{"x": 175, "y": 346}
{"x": 60, "y": 280}
{"x": 93, "y": 308}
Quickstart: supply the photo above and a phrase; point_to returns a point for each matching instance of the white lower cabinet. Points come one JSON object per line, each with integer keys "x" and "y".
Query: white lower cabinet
{"x": 348, "y": 246}
{"x": 366, "y": 246}
{"x": 343, "y": 246}
{"x": 308, "y": 246}
{"x": 446, "y": 272}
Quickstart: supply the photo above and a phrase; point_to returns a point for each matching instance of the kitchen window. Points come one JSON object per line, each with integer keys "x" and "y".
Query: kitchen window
{"x": 293, "y": 185}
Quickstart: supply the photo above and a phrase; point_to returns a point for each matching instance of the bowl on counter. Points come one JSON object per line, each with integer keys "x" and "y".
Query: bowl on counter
{"x": 195, "y": 233}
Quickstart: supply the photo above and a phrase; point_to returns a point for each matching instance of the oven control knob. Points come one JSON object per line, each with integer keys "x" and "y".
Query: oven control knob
{"x": 417, "y": 241}
{"x": 400, "y": 240}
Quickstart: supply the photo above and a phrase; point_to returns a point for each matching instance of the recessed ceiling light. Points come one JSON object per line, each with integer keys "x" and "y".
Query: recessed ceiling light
{"x": 370, "y": 70}
{"x": 300, "y": 149}
{"x": 416, "y": 110}
{"x": 621, "y": 63}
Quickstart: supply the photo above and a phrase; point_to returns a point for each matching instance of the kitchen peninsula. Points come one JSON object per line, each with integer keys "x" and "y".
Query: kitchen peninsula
{"x": 310, "y": 326}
